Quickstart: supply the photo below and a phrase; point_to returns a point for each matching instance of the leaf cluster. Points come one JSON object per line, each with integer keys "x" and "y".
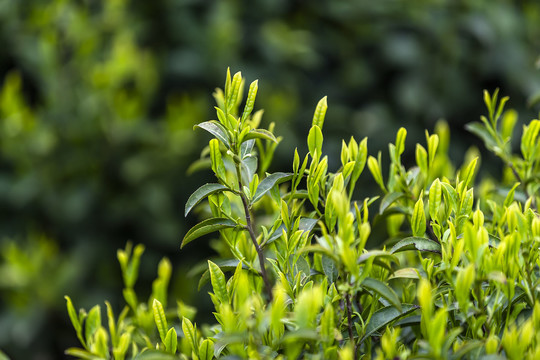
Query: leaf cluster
{"x": 456, "y": 278}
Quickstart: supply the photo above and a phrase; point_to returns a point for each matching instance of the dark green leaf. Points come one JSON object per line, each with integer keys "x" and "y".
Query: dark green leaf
{"x": 216, "y": 129}
{"x": 383, "y": 317}
{"x": 382, "y": 290}
{"x": 206, "y": 227}
{"x": 389, "y": 199}
{"x": 330, "y": 269}
{"x": 416, "y": 243}
{"x": 201, "y": 193}
{"x": 268, "y": 182}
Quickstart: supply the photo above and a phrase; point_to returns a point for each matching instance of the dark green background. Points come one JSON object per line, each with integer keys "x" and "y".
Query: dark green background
{"x": 98, "y": 100}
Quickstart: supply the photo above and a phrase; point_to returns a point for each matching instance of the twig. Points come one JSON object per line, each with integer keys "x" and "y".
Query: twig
{"x": 349, "y": 322}
{"x": 249, "y": 227}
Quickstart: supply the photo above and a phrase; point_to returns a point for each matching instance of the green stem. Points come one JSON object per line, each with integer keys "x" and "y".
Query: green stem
{"x": 349, "y": 322}
{"x": 249, "y": 228}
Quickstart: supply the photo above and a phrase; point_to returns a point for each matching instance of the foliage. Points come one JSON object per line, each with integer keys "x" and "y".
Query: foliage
{"x": 98, "y": 99}
{"x": 457, "y": 277}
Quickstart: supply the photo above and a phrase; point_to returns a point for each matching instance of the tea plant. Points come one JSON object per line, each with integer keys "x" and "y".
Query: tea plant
{"x": 457, "y": 277}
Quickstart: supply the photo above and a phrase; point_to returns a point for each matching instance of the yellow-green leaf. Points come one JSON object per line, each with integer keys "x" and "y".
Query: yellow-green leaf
{"x": 160, "y": 319}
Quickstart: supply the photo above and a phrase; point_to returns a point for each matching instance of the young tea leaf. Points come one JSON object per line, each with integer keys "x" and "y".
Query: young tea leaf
{"x": 171, "y": 341}
{"x": 315, "y": 141}
{"x": 418, "y": 222}
{"x": 206, "y": 350}
{"x": 320, "y": 113}
{"x": 217, "y": 278}
{"x": 160, "y": 319}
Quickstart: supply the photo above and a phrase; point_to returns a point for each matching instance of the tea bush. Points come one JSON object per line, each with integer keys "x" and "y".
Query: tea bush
{"x": 457, "y": 277}
{"x": 99, "y": 98}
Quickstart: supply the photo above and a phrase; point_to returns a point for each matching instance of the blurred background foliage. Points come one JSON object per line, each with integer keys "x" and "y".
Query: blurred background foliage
{"x": 98, "y": 100}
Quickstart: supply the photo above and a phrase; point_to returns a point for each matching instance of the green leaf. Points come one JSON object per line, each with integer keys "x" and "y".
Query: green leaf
{"x": 100, "y": 345}
{"x": 421, "y": 158}
{"x": 329, "y": 268}
{"x": 468, "y": 172}
{"x": 389, "y": 199}
{"x": 451, "y": 195}
{"x": 216, "y": 129}
{"x": 529, "y": 140}
{"x": 360, "y": 161}
{"x": 217, "y": 162}
{"x": 383, "y": 317}
{"x": 320, "y": 113}
{"x": 510, "y": 196}
{"x": 250, "y": 102}
{"x": 269, "y": 182}
{"x": 112, "y": 324}
{"x": 206, "y": 350}
{"x": 382, "y": 290}
{"x": 93, "y": 322}
{"x": 171, "y": 341}
{"x": 418, "y": 222}
{"x": 435, "y": 192}
{"x": 374, "y": 166}
{"x": 206, "y": 227}
{"x": 315, "y": 141}
{"x": 405, "y": 273}
{"x": 201, "y": 193}
{"x": 160, "y": 319}
{"x": 377, "y": 254}
{"x": 189, "y": 332}
{"x": 400, "y": 142}
{"x": 155, "y": 355}
{"x": 433, "y": 144}
{"x": 217, "y": 278}
{"x": 232, "y": 98}
{"x": 260, "y": 134}
{"x": 416, "y": 243}
{"x": 224, "y": 265}
{"x": 82, "y": 354}
{"x": 73, "y": 314}
{"x": 479, "y": 130}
